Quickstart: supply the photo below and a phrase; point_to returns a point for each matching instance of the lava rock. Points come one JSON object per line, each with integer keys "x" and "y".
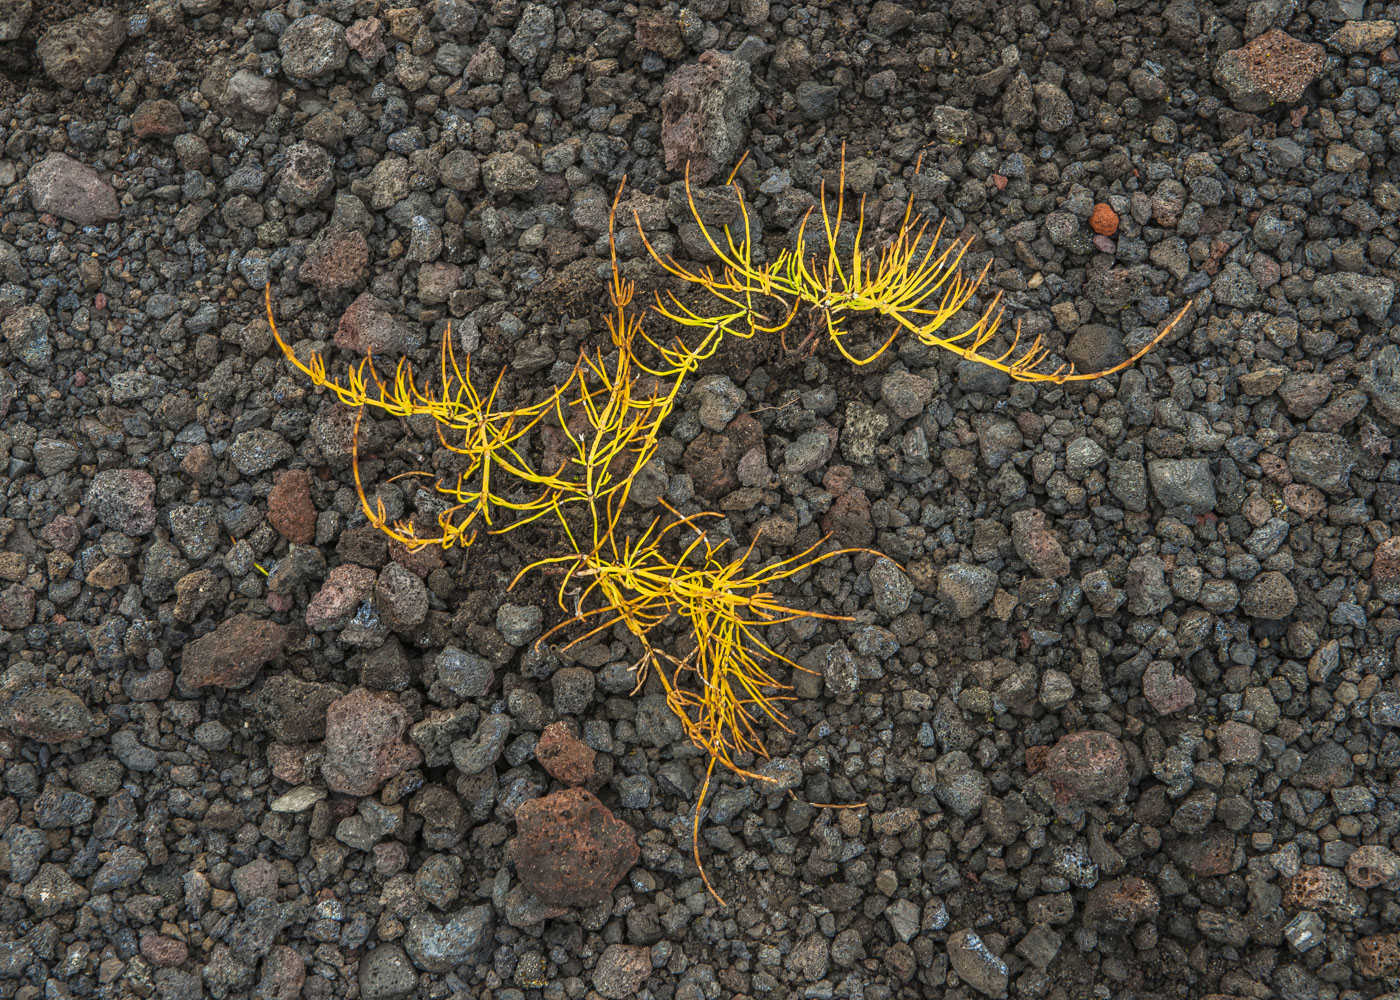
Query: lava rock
{"x": 313, "y": 46}
{"x": 570, "y": 850}
{"x": 232, "y": 655}
{"x": 966, "y": 589}
{"x": 50, "y": 715}
{"x": 1273, "y": 68}
{"x": 564, "y": 756}
{"x": 437, "y": 945}
{"x": 705, "y": 107}
{"x": 62, "y": 186}
{"x": 74, "y": 50}
{"x": 365, "y": 744}
{"x": 1088, "y": 766}
{"x": 974, "y": 962}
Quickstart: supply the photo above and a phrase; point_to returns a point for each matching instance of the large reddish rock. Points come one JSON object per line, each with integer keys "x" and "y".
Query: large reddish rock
{"x": 156, "y": 119}
{"x": 1088, "y": 766}
{"x": 712, "y": 460}
{"x": 347, "y": 586}
{"x": 368, "y": 326}
{"x": 1274, "y": 68}
{"x": 365, "y": 744}
{"x": 62, "y": 186}
{"x": 705, "y": 107}
{"x": 1117, "y": 907}
{"x": 570, "y": 850}
{"x": 290, "y": 509}
{"x": 336, "y": 261}
{"x": 232, "y": 655}
{"x": 1037, "y": 545}
{"x": 566, "y": 757}
{"x": 1371, "y": 865}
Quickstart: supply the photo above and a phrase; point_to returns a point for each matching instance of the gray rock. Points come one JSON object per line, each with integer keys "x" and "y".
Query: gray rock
{"x": 534, "y": 33}
{"x": 972, "y": 960}
{"x": 1349, "y": 294}
{"x": 892, "y": 588}
{"x": 960, "y": 786}
{"x": 123, "y": 499}
{"x": 519, "y": 623}
{"x": 906, "y": 395}
{"x": 401, "y": 596}
{"x": 441, "y": 945}
{"x": 26, "y": 331}
{"x": 1382, "y": 382}
{"x": 313, "y": 46}
{"x": 816, "y": 100}
{"x": 484, "y": 748}
{"x": 81, "y": 47}
{"x": 1321, "y": 460}
{"x": 14, "y": 15}
{"x": 965, "y": 588}
{"x": 307, "y": 177}
{"x": 903, "y": 915}
{"x": 52, "y": 891}
{"x": 466, "y": 675}
{"x": 123, "y": 868}
{"x": 258, "y": 450}
{"x": 71, "y": 190}
{"x": 720, "y": 401}
{"x": 506, "y": 174}
{"x": 387, "y": 973}
{"x": 621, "y": 971}
{"x": 864, "y": 427}
{"x": 1183, "y": 483}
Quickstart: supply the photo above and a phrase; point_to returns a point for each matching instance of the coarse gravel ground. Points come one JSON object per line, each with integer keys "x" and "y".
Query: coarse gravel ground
{"x": 1125, "y": 715}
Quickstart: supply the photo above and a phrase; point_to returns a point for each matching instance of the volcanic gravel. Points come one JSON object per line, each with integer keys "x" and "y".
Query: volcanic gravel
{"x": 1119, "y": 703}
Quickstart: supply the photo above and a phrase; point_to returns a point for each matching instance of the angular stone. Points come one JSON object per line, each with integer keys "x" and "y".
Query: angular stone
{"x": 365, "y": 744}
{"x": 570, "y": 850}
{"x": 71, "y": 190}
{"x": 232, "y": 655}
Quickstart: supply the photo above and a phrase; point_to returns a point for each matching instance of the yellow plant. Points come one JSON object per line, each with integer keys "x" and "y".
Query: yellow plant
{"x": 721, "y": 689}
{"x": 602, "y": 426}
{"x": 908, "y": 283}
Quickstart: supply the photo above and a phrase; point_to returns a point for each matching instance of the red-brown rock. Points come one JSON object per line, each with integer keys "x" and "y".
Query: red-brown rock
{"x": 164, "y": 952}
{"x": 1104, "y": 220}
{"x": 336, "y": 261}
{"x": 1316, "y": 887}
{"x": 365, "y": 744}
{"x": 1378, "y": 955}
{"x": 1088, "y": 766}
{"x": 232, "y": 655}
{"x": 570, "y": 850}
{"x": 347, "y": 586}
{"x": 566, "y": 757}
{"x": 156, "y": 119}
{"x": 367, "y": 326}
{"x": 290, "y": 509}
{"x": 1117, "y": 907}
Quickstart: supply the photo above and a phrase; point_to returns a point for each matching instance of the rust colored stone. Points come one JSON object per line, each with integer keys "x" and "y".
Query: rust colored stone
{"x": 289, "y": 507}
{"x": 565, "y": 756}
{"x": 1104, "y": 220}
{"x": 570, "y": 850}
